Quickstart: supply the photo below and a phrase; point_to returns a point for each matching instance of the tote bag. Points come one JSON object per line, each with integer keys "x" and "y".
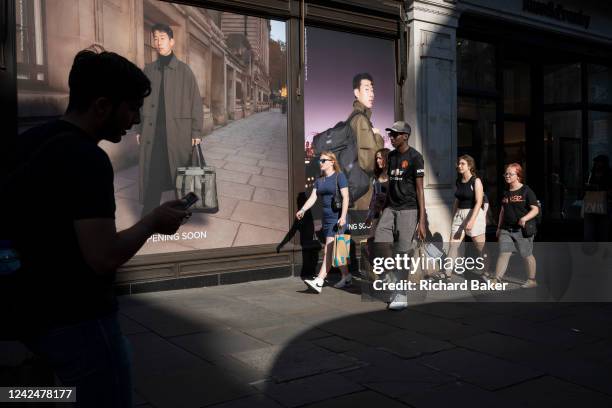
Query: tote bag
{"x": 201, "y": 179}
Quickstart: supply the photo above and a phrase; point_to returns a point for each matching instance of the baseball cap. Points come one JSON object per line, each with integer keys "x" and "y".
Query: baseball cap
{"x": 399, "y": 127}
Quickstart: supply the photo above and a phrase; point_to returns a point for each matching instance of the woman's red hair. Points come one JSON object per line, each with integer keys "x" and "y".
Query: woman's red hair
{"x": 518, "y": 169}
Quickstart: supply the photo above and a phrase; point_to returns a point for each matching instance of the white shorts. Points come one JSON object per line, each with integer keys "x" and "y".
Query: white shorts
{"x": 461, "y": 218}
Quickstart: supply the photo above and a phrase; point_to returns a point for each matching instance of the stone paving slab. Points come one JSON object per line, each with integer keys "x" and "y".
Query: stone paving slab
{"x": 214, "y": 345}
{"x": 552, "y": 392}
{"x": 236, "y": 190}
{"x": 255, "y": 235}
{"x": 273, "y": 164}
{"x": 479, "y": 369}
{"x": 289, "y": 362}
{"x": 263, "y": 215}
{"x": 284, "y": 334}
{"x": 310, "y": 389}
{"x": 253, "y": 401}
{"x": 457, "y": 395}
{"x": 544, "y": 334}
{"x": 275, "y": 173}
{"x": 338, "y": 344}
{"x": 398, "y": 378}
{"x": 270, "y": 196}
{"x": 242, "y": 167}
{"x": 444, "y": 329}
{"x": 174, "y": 322}
{"x": 273, "y": 183}
{"x": 406, "y": 344}
{"x": 589, "y": 325}
{"x": 193, "y": 388}
{"x": 234, "y": 176}
{"x": 358, "y": 399}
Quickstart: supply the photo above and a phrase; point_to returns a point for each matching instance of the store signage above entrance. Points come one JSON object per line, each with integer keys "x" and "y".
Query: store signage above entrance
{"x": 557, "y": 11}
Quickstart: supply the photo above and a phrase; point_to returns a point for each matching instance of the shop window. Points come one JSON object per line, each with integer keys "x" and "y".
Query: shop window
{"x": 517, "y": 88}
{"x": 331, "y": 64}
{"x": 475, "y": 65}
{"x": 245, "y": 144}
{"x": 600, "y": 84}
{"x": 31, "y": 64}
{"x": 563, "y": 161}
{"x": 600, "y": 135}
{"x": 562, "y": 83}
{"x": 477, "y": 137}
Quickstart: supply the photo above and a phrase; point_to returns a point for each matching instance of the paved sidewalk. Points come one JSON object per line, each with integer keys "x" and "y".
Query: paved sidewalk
{"x": 274, "y": 344}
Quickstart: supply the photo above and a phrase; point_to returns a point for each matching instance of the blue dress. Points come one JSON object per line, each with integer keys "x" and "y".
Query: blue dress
{"x": 326, "y": 189}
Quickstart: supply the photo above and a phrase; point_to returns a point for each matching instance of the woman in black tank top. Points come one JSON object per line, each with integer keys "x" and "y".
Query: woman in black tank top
{"x": 469, "y": 210}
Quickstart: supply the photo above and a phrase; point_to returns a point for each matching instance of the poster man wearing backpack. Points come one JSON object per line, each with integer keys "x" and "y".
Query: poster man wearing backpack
{"x": 368, "y": 138}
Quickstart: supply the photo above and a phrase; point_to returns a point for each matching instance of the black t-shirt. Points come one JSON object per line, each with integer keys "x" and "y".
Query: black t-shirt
{"x": 466, "y": 193}
{"x": 62, "y": 176}
{"x": 516, "y": 205}
{"x": 404, "y": 169}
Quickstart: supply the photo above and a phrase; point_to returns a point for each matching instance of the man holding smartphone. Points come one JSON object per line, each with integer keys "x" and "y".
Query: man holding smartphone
{"x": 67, "y": 239}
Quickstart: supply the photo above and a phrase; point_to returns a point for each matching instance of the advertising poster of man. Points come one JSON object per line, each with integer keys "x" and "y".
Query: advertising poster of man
{"x": 341, "y": 80}
{"x": 217, "y": 81}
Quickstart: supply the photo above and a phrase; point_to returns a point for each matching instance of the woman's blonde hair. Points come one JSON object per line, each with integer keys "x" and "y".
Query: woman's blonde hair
{"x": 332, "y": 156}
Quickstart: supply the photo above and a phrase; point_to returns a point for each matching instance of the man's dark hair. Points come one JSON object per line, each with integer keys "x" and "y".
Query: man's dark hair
{"x": 357, "y": 79}
{"x": 105, "y": 74}
{"x": 164, "y": 28}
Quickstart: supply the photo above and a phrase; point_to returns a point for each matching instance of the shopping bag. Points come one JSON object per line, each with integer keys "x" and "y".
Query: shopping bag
{"x": 365, "y": 260}
{"x": 595, "y": 202}
{"x": 433, "y": 259}
{"x": 342, "y": 250}
{"x": 201, "y": 179}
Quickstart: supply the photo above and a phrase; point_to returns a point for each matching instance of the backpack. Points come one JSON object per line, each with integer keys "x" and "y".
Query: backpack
{"x": 342, "y": 141}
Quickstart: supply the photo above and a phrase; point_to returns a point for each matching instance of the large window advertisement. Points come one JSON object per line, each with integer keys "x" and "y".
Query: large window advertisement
{"x": 224, "y": 88}
{"x": 332, "y": 60}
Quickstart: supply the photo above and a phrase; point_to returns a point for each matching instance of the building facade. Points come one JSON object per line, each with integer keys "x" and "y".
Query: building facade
{"x": 524, "y": 81}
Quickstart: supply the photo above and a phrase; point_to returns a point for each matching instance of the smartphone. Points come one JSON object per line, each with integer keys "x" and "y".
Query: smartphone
{"x": 189, "y": 200}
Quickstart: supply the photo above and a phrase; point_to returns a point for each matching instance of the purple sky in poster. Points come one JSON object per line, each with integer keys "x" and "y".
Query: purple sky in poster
{"x": 332, "y": 59}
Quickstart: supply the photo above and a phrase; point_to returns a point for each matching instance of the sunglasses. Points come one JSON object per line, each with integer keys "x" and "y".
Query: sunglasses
{"x": 393, "y": 135}
{"x": 325, "y": 160}
{"x": 509, "y": 174}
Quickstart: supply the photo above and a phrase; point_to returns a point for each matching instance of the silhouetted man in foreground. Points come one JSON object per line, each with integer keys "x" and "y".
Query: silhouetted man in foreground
{"x": 63, "y": 228}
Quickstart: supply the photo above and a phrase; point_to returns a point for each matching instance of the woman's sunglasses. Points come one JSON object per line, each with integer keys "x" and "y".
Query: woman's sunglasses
{"x": 325, "y": 160}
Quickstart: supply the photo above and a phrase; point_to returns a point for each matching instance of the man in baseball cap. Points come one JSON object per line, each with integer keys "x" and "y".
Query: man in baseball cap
{"x": 404, "y": 212}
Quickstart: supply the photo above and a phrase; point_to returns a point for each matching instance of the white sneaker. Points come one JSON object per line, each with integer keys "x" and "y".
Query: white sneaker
{"x": 399, "y": 301}
{"x": 315, "y": 284}
{"x": 344, "y": 282}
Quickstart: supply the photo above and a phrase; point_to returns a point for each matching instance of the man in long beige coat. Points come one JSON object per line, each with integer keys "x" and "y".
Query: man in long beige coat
{"x": 369, "y": 139}
{"x": 171, "y": 122}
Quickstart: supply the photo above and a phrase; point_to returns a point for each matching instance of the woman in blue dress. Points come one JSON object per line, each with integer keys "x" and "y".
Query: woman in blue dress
{"x": 334, "y": 220}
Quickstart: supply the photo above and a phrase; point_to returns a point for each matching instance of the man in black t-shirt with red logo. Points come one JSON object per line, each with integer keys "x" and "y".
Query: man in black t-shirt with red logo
{"x": 404, "y": 211}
